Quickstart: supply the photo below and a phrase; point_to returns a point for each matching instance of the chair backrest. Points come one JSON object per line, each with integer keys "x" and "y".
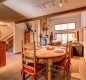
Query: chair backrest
{"x": 68, "y": 49}
{"x": 29, "y": 56}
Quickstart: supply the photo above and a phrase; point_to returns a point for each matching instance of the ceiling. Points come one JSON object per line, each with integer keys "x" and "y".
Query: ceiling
{"x": 7, "y": 14}
{"x": 30, "y": 8}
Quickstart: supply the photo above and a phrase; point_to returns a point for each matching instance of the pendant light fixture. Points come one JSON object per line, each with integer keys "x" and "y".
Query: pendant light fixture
{"x": 52, "y": 2}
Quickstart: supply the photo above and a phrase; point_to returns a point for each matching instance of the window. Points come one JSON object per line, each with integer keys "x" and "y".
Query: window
{"x": 71, "y": 25}
{"x": 67, "y": 26}
{"x": 71, "y": 36}
{"x": 65, "y": 36}
{"x": 58, "y": 37}
{"x": 63, "y": 26}
{"x": 57, "y": 27}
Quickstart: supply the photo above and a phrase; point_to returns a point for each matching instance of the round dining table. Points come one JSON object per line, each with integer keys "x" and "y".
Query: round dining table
{"x": 49, "y": 56}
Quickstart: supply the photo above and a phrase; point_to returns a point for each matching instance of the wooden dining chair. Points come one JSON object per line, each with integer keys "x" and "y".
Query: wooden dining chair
{"x": 30, "y": 65}
{"x": 64, "y": 64}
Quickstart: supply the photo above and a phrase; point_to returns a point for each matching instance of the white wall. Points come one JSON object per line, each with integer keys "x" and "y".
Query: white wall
{"x": 83, "y": 24}
{"x": 67, "y": 19}
{"x": 19, "y": 30}
{"x": 37, "y": 28}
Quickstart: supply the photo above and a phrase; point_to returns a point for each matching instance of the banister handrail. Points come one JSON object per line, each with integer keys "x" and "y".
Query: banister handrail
{"x": 6, "y": 36}
{"x": 10, "y": 38}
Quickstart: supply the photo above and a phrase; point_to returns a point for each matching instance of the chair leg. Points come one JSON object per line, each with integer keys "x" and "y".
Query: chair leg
{"x": 23, "y": 75}
{"x": 33, "y": 77}
{"x": 64, "y": 74}
{"x": 46, "y": 74}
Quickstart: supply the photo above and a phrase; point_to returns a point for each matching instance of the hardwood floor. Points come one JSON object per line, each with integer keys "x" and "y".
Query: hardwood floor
{"x": 12, "y": 70}
{"x": 81, "y": 72}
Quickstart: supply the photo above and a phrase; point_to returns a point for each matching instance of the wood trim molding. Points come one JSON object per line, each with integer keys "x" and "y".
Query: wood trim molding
{"x": 55, "y": 14}
{"x": 2, "y": 0}
{"x": 7, "y": 36}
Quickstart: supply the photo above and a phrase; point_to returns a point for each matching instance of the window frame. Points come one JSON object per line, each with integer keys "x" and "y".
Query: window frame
{"x": 67, "y": 26}
{"x": 64, "y": 33}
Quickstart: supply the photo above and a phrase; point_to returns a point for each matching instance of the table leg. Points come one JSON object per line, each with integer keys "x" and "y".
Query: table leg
{"x": 49, "y": 69}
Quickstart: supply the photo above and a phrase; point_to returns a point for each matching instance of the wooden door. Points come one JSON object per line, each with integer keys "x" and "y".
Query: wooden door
{"x": 27, "y": 37}
{"x": 2, "y": 53}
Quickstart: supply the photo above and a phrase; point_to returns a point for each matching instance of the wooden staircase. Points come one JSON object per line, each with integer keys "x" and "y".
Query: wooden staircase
{"x": 9, "y": 45}
{"x": 9, "y": 42}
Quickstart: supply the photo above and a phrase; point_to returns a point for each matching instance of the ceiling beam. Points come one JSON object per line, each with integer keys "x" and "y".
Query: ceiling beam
{"x": 55, "y": 14}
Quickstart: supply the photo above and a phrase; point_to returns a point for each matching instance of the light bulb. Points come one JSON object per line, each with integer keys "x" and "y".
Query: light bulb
{"x": 60, "y": 4}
